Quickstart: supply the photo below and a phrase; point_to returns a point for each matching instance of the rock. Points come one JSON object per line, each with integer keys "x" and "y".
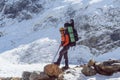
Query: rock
{"x": 26, "y": 75}
{"x": 115, "y": 35}
{"x": 61, "y": 77}
{"x": 52, "y": 70}
{"x": 16, "y": 78}
{"x": 104, "y": 68}
{"x": 88, "y": 71}
{"x": 38, "y": 76}
{"x": 91, "y": 62}
{"x": 108, "y": 67}
{"x": 101, "y": 70}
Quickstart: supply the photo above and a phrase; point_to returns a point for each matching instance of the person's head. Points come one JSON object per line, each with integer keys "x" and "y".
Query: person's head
{"x": 62, "y": 30}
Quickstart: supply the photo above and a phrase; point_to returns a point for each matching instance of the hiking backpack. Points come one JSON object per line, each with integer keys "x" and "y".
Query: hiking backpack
{"x": 72, "y": 32}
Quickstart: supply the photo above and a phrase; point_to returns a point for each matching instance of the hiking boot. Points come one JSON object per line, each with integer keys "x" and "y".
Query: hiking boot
{"x": 65, "y": 67}
{"x": 56, "y": 63}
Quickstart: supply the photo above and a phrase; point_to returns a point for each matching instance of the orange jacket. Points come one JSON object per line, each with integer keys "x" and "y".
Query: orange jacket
{"x": 64, "y": 39}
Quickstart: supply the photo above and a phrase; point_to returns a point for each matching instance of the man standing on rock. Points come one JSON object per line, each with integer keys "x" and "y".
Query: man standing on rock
{"x": 64, "y": 51}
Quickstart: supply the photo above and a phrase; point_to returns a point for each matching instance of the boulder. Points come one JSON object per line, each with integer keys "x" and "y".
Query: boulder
{"x": 38, "y": 76}
{"x": 26, "y": 75}
{"x": 108, "y": 67}
{"x": 52, "y": 70}
{"x": 88, "y": 71}
{"x": 105, "y": 68}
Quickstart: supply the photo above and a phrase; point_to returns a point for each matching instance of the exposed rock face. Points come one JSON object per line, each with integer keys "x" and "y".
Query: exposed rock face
{"x": 115, "y": 36}
{"x": 103, "y": 43}
{"x": 107, "y": 21}
{"x": 21, "y": 8}
{"x": 101, "y": 32}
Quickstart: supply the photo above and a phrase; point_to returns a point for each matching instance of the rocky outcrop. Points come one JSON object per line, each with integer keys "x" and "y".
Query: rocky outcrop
{"x": 38, "y": 76}
{"x": 104, "y": 68}
{"x": 115, "y": 36}
{"x": 21, "y": 8}
{"x": 103, "y": 43}
{"x": 51, "y": 72}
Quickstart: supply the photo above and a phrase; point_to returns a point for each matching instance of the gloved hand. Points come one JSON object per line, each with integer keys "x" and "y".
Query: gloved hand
{"x": 61, "y": 45}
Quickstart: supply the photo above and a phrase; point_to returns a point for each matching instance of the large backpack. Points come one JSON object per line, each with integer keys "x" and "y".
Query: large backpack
{"x": 72, "y": 32}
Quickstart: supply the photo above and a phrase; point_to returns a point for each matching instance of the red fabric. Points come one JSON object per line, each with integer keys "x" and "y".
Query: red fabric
{"x": 65, "y": 39}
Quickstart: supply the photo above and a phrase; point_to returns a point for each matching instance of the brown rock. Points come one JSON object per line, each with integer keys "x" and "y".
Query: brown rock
{"x": 38, "y": 76}
{"x": 88, "y": 71}
{"x": 52, "y": 70}
{"x": 16, "y": 78}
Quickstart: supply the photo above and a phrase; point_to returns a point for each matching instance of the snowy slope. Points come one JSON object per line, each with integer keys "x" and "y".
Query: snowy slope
{"x": 44, "y": 50}
{"x": 8, "y": 69}
{"x": 110, "y": 55}
{"x": 54, "y": 14}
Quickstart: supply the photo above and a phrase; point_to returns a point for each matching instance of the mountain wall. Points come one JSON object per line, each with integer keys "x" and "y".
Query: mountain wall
{"x": 25, "y": 21}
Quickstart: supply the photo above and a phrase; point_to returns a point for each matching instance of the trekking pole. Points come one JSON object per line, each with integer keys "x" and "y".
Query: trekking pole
{"x": 56, "y": 54}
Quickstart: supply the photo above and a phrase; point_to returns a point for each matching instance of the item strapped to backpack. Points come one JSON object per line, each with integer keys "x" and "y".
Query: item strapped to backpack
{"x": 70, "y": 30}
{"x": 71, "y": 34}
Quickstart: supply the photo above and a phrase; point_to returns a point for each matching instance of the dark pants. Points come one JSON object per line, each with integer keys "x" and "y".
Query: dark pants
{"x": 63, "y": 52}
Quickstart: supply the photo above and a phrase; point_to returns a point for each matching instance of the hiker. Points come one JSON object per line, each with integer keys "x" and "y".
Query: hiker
{"x": 64, "y": 51}
{"x": 69, "y": 37}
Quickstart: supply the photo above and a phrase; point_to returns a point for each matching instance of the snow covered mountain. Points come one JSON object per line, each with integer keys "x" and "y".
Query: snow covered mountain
{"x": 29, "y": 29}
{"x": 94, "y": 19}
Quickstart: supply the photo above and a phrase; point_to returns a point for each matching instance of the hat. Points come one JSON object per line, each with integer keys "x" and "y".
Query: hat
{"x": 62, "y": 29}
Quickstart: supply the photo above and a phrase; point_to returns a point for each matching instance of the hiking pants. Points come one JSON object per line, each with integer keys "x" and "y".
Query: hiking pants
{"x": 63, "y": 52}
